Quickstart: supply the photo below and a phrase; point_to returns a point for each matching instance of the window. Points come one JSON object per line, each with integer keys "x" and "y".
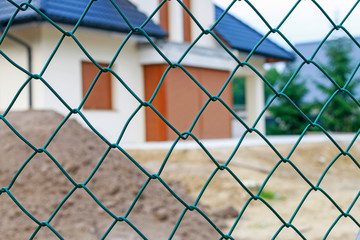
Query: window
{"x": 100, "y": 96}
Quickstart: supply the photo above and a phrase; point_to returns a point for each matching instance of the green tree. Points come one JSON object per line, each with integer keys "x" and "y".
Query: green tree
{"x": 239, "y": 91}
{"x": 286, "y": 118}
{"x": 341, "y": 114}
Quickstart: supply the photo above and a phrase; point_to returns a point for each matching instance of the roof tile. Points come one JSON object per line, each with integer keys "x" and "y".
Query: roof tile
{"x": 102, "y": 14}
{"x": 244, "y": 38}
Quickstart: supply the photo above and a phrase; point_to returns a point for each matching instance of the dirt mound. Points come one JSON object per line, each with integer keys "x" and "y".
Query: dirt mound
{"x": 74, "y": 156}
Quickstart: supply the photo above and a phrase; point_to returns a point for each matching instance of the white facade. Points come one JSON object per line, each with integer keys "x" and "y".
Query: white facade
{"x": 13, "y": 78}
{"x": 64, "y": 75}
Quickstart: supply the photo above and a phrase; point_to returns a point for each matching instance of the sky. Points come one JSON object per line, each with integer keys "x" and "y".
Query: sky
{"x": 306, "y": 23}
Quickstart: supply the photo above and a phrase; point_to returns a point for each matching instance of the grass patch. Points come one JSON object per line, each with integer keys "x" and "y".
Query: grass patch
{"x": 270, "y": 195}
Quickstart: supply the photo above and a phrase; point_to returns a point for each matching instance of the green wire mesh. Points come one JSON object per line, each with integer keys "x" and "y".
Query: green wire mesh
{"x": 136, "y": 30}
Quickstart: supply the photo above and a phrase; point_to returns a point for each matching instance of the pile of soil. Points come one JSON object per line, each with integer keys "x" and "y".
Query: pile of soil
{"x": 42, "y": 186}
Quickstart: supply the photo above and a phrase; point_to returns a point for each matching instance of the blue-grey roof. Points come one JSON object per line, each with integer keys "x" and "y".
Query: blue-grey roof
{"x": 240, "y": 36}
{"x": 101, "y": 15}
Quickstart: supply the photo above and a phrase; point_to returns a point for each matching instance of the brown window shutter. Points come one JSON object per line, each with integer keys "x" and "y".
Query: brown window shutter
{"x": 100, "y": 96}
{"x": 164, "y": 16}
{"x": 187, "y": 22}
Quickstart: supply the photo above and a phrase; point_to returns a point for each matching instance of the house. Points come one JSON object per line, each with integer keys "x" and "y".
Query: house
{"x": 38, "y": 37}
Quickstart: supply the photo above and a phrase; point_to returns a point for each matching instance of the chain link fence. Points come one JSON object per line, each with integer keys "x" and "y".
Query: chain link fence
{"x": 187, "y": 206}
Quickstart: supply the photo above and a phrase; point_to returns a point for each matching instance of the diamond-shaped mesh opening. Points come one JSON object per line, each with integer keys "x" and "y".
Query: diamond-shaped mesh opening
{"x": 188, "y": 224}
{"x": 196, "y": 174}
{"x": 275, "y": 191}
{"x": 227, "y": 194}
{"x": 349, "y": 175}
{"x": 265, "y": 224}
{"x": 318, "y": 203}
{"x": 14, "y": 154}
{"x": 349, "y": 115}
{"x": 121, "y": 186}
{"x": 14, "y": 223}
{"x": 82, "y": 153}
{"x": 15, "y": 94}
{"x": 312, "y": 161}
{"x": 342, "y": 226}
{"x": 312, "y": 27}
{"x": 34, "y": 185}
{"x": 87, "y": 218}
{"x": 44, "y": 126}
{"x": 157, "y": 205}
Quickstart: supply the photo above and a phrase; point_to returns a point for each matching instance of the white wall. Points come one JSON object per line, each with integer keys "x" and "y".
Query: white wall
{"x": 64, "y": 76}
{"x": 204, "y": 12}
{"x": 11, "y": 76}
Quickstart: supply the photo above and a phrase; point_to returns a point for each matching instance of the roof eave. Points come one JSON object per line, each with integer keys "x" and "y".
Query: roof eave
{"x": 31, "y": 19}
{"x": 274, "y": 58}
